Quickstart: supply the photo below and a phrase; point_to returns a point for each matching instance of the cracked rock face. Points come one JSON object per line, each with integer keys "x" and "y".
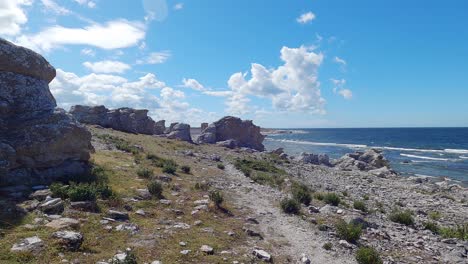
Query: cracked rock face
{"x": 122, "y": 119}
{"x": 39, "y": 143}
{"x": 243, "y": 132}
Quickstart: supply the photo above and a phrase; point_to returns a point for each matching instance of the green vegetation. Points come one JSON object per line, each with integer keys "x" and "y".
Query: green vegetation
{"x": 155, "y": 188}
{"x": 220, "y": 166}
{"x": 203, "y": 186}
{"x": 332, "y": 198}
{"x": 290, "y": 206}
{"x": 145, "y": 173}
{"x": 434, "y": 215}
{"x": 185, "y": 169}
{"x": 169, "y": 166}
{"x": 130, "y": 258}
{"x": 432, "y": 227}
{"x": 360, "y": 205}
{"x": 81, "y": 192}
{"x": 261, "y": 171}
{"x": 301, "y": 193}
{"x": 120, "y": 143}
{"x": 402, "y": 217}
{"x": 319, "y": 196}
{"x": 365, "y": 197}
{"x": 459, "y": 231}
{"x": 349, "y": 232}
{"x": 328, "y": 246}
{"x": 368, "y": 255}
{"x": 217, "y": 198}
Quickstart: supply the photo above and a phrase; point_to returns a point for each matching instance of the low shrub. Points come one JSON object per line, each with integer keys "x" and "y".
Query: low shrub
{"x": 145, "y": 173}
{"x": 432, "y": 227}
{"x": 350, "y": 232}
{"x": 434, "y": 215}
{"x": 290, "y": 206}
{"x": 217, "y": 198}
{"x": 332, "y": 198}
{"x": 155, "y": 188}
{"x": 169, "y": 166}
{"x": 402, "y": 217}
{"x": 365, "y": 197}
{"x": 360, "y": 205}
{"x": 267, "y": 179}
{"x": 368, "y": 255}
{"x": 82, "y": 192}
{"x": 301, "y": 193}
{"x": 59, "y": 190}
{"x": 319, "y": 196}
{"x": 459, "y": 231}
{"x": 185, "y": 169}
{"x": 328, "y": 246}
{"x": 220, "y": 166}
{"x": 201, "y": 186}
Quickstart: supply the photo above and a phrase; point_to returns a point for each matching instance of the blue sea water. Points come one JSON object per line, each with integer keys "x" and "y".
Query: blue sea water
{"x": 437, "y": 152}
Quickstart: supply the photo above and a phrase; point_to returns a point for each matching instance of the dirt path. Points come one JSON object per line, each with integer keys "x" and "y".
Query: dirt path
{"x": 291, "y": 235}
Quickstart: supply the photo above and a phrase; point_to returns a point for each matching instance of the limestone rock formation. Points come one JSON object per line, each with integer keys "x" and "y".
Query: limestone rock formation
{"x": 316, "y": 159}
{"x": 203, "y": 126}
{"x": 243, "y": 132}
{"x": 38, "y": 142}
{"x": 365, "y": 161}
{"x": 179, "y": 131}
{"x": 122, "y": 119}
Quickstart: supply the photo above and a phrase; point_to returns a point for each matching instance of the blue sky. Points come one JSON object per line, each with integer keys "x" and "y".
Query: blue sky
{"x": 314, "y": 63}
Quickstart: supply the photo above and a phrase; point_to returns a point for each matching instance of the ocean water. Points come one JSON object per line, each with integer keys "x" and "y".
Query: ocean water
{"x": 437, "y": 152}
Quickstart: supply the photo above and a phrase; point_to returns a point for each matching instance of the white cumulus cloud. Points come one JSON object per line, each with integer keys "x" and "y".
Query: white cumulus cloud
{"x": 346, "y": 93}
{"x": 292, "y": 86}
{"x": 155, "y": 57}
{"x": 12, "y": 16}
{"x": 88, "y": 3}
{"x": 112, "y": 35}
{"x": 339, "y": 88}
{"x": 107, "y": 66}
{"x": 193, "y": 84}
{"x": 306, "y": 18}
{"x": 339, "y": 60}
{"x": 51, "y": 5}
{"x": 178, "y": 6}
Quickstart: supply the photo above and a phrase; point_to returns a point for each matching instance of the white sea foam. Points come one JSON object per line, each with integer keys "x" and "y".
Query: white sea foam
{"x": 360, "y": 146}
{"x": 423, "y": 157}
{"x": 463, "y": 157}
{"x": 320, "y": 143}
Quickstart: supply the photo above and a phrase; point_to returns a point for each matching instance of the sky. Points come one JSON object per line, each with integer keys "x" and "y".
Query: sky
{"x": 283, "y": 64}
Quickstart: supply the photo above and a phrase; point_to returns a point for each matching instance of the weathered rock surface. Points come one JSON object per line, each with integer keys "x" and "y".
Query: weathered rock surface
{"x": 31, "y": 244}
{"x": 38, "y": 143}
{"x": 69, "y": 240}
{"x": 316, "y": 159}
{"x": 244, "y": 132}
{"x": 122, "y": 119}
{"x": 179, "y": 131}
{"x": 365, "y": 161}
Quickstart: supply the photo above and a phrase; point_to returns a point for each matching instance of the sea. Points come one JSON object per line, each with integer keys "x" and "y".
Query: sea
{"x": 434, "y": 152}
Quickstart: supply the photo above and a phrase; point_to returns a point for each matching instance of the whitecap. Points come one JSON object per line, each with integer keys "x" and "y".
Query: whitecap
{"x": 423, "y": 157}
{"x": 319, "y": 143}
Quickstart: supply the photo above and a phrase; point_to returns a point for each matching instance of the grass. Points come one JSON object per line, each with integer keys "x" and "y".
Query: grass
{"x": 155, "y": 188}
{"x": 350, "y": 232}
{"x": 368, "y": 255}
{"x": 433, "y": 227}
{"x": 290, "y": 206}
{"x": 459, "y": 231}
{"x": 332, "y": 199}
{"x": 435, "y": 215}
{"x": 328, "y": 246}
{"x": 145, "y": 173}
{"x": 360, "y": 205}
{"x": 185, "y": 169}
{"x": 220, "y": 166}
{"x": 301, "y": 193}
{"x": 402, "y": 217}
{"x": 261, "y": 171}
{"x": 217, "y": 198}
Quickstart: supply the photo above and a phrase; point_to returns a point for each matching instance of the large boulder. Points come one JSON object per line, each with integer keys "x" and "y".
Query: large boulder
{"x": 179, "y": 131}
{"x": 369, "y": 160}
{"x": 316, "y": 159}
{"x": 122, "y": 119}
{"x": 243, "y": 132}
{"x": 39, "y": 143}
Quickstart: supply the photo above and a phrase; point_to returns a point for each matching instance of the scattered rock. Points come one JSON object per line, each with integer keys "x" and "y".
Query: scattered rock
{"x": 63, "y": 223}
{"x": 365, "y": 161}
{"x": 52, "y": 206}
{"x": 207, "y": 249}
{"x": 262, "y": 254}
{"x": 69, "y": 240}
{"x": 129, "y": 227}
{"x": 85, "y": 206}
{"x": 305, "y": 259}
{"x": 40, "y": 195}
{"x": 185, "y": 252}
{"x": 117, "y": 215}
{"x": 321, "y": 159}
{"x": 31, "y": 244}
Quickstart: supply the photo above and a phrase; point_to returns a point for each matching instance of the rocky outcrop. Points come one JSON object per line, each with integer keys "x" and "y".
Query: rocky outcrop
{"x": 179, "y": 131}
{"x": 122, "y": 119}
{"x": 243, "y": 132}
{"x": 203, "y": 126}
{"x": 38, "y": 142}
{"x": 369, "y": 160}
{"x": 316, "y": 159}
